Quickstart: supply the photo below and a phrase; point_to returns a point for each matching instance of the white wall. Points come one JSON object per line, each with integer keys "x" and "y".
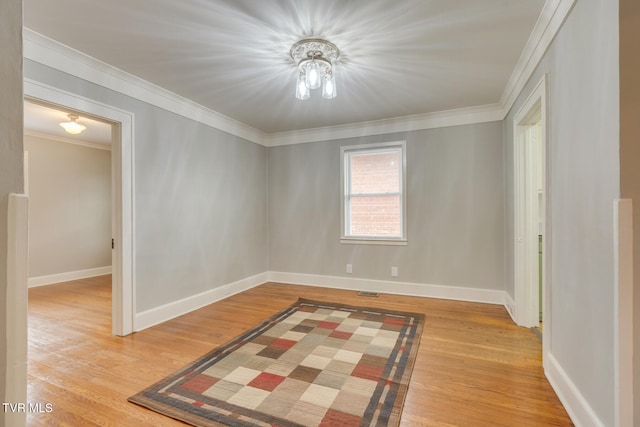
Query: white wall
{"x": 583, "y": 182}
{"x": 70, "y": 207}
{"x": 11, "y": 179}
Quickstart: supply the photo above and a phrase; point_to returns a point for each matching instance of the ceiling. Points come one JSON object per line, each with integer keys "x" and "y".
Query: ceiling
{"x": 43, "y": 119}
{"x": 398, "y": 57}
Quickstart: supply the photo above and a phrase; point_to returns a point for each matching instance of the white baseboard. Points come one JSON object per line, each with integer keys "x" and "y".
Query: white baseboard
{"x": 573, "y": 401}
{"x": 575, "y": 404}
{"x": 510, "y": 305}
{"x": 174, "y": 309}
{"x": 65, "y": 277}
{"x": 398, "y": 288}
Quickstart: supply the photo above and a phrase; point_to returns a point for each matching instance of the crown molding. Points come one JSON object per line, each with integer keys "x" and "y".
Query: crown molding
{"x": 51, "y": 53}
{"x": 461, "y": 116}
{"x": 73, "y": 141}
{"x": 552, "y": 16}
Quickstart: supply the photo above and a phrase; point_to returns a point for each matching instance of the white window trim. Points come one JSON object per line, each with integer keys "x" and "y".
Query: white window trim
{"x": 344, "y": 185}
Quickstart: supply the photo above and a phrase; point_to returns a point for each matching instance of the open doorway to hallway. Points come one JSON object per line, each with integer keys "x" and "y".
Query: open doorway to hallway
{"x": 530, "y": 213}
{"x": 122, "y": 171}
{"x": 68, "y": 178}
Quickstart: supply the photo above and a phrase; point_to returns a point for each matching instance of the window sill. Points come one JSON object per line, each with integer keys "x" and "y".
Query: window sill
{"x": 364, "y": 241}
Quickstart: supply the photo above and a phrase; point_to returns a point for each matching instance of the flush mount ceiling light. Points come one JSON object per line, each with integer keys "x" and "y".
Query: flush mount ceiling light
{"x": 315, "y": 59}
{"x": 72, "y": 126}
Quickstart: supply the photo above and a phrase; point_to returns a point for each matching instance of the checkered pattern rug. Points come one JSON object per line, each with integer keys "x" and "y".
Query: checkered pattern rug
{"x": 313, "y": 364}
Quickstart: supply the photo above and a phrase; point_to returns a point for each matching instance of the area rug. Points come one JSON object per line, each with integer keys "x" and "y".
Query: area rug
{"x": 313, "y": 364}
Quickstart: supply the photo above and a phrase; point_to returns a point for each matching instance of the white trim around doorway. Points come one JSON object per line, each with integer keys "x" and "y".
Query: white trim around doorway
{"x": 525, "y": 298}
{"x": 123, "y": 296}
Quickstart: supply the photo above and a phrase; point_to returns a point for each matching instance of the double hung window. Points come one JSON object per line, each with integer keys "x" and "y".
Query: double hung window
{"x": 373, "y": 200}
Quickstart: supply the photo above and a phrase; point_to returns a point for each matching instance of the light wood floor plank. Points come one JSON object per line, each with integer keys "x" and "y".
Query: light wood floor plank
{"x": 474, "y": 366}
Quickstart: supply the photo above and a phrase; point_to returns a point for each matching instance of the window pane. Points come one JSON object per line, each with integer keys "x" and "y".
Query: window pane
{"x": 375, "y": 216}
{"x": 375, "y": 173}
{"x": 373, "y": 201}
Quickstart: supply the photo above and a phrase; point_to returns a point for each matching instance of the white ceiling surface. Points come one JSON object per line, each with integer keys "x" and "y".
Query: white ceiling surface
{"x": 41, "y": 119}
{"x": 398, "y": 57}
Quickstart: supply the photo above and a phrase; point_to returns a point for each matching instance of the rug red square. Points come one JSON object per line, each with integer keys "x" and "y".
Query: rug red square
{"x": 267, "y": 381}
{"x": 199, "y": 383}
{"x": 335, "y": 418}
{"x": 283, "y": 344}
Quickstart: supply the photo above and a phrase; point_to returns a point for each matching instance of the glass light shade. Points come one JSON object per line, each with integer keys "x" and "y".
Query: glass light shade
{"x": 329, "y": 86}
{"x": 312, "y": 75}
{"x": 302, "y": 91}
{"x": 72, "y": 126}
{"x": 315, "y": 59}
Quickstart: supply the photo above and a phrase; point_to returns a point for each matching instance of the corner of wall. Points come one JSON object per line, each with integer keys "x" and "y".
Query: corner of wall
{"x": 174, "y": 309}
{"x": 510, "y": 305}
{"x": 573, "y": 401}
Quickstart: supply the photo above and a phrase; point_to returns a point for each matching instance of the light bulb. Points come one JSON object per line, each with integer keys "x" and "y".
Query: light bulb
{"x": 312, "y": 75}
{"x": 329, "y": 86}
{"x": 302, "y": 91}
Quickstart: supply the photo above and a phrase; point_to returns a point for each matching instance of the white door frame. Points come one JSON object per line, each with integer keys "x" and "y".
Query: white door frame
{"x": 123, "y": 285}
{"x": 526, "y": 224}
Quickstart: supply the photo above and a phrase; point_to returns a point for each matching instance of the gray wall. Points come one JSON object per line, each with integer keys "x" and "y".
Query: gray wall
{"x": 69, "y": 207}
{"x": 11, "y": 180}
{"x": 200, "y": 198}
{"x": 583, "y": 182}
{"x": 455, "y": 210}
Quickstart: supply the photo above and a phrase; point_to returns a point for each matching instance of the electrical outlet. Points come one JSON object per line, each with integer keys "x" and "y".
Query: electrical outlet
{"x": 394, "y": 271}
{"x": 349, "y": 268}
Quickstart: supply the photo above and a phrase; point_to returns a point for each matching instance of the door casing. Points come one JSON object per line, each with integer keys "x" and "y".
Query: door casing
{"x": 526, "y": 228}
{"x": 122, "y": 172}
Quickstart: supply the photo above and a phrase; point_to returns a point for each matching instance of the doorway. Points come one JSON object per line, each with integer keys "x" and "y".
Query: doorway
{"x": 68, "y": 178}
{"x": 530, "y": 214}
{"x": 123, "y": 295}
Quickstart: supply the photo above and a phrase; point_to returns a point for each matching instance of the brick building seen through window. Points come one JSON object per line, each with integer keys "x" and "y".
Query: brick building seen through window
{"x": 374, "y": 193}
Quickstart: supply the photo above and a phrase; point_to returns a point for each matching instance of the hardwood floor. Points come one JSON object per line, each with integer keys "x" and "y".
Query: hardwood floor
{"x": 474, "y": 366}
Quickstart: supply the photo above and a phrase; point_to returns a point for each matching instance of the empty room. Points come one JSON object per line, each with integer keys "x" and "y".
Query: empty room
{"x": 319, "y": 213}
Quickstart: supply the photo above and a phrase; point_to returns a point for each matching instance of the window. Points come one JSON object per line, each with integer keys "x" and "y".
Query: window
{"x": 373, "y": 202}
